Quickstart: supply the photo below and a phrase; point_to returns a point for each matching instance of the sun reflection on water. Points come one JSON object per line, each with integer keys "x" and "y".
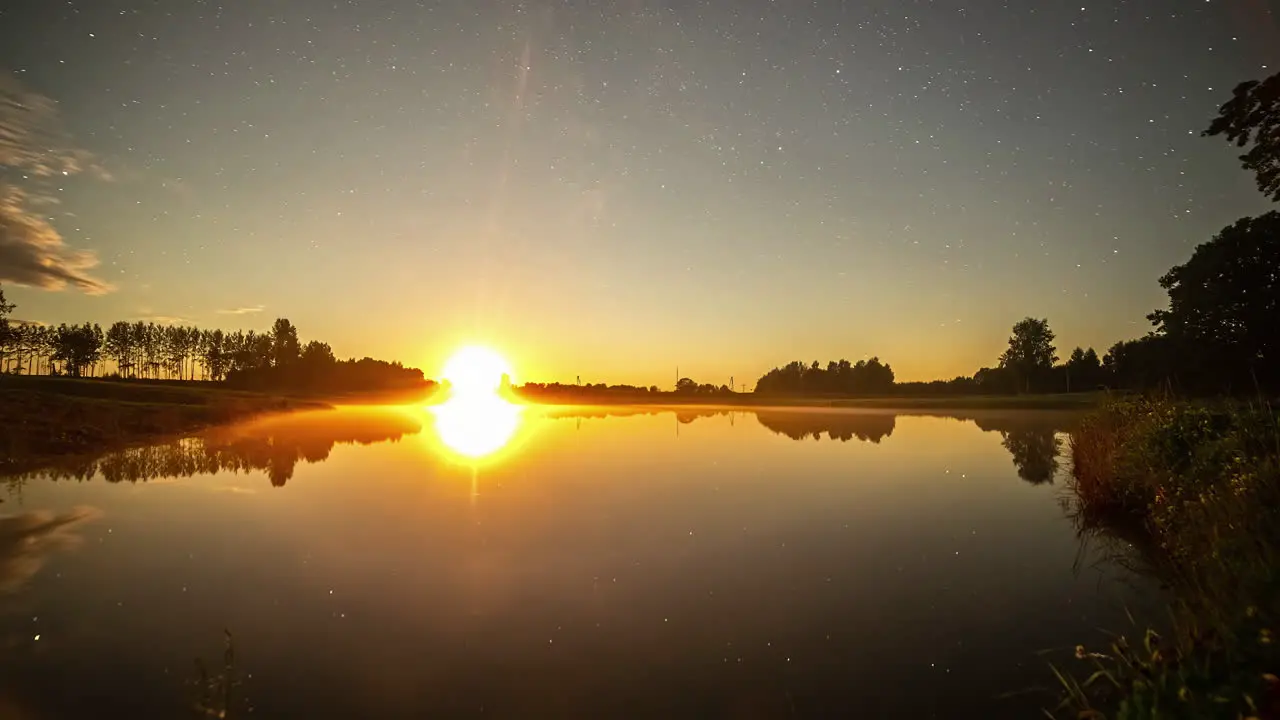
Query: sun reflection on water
{"x": 476, "y": 427}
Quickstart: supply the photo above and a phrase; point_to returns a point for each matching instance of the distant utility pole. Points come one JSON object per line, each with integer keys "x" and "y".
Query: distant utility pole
{"x": 730, "y": 383}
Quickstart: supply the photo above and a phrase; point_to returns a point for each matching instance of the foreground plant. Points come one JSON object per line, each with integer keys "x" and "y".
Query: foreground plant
{"x": 1195, "y": 492}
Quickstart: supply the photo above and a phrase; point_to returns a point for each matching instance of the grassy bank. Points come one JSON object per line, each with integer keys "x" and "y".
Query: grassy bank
{"x": 1193, "y": 491}
{"x": 46, "y": 418}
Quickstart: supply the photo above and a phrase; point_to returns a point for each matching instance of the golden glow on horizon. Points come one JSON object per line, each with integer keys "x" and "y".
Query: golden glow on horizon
{"x": 477, "y": 426}
{"x": 475, "y": 371}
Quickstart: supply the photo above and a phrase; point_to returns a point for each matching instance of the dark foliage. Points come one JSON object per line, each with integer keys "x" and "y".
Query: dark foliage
{"x": 1252, "y": 115}
{"x": 866, "y": 377}
{"x": 274, "y": 361}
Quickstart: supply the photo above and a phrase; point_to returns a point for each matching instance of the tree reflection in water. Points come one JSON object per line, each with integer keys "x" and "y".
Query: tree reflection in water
{"x": 1032, "y": 439}
{"x": 842, "y": 426}
{"x": 274, "y": 445}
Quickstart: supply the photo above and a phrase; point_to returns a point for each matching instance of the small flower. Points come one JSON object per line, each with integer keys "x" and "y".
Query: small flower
{"x": 1080, "y": 653}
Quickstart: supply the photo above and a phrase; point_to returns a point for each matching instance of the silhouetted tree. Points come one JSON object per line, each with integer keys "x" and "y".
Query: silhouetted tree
{"x": 78, "y": 347}
{"x": 285, "y": 348}
{"x": 866, "y": 377}
{"x": 1031, "y": 353}
{"x": 1083, "y": 370}
{"x": 1224, "y": 307}
{"x": 5, "y": 336}
{"x": 1252, "y": 115}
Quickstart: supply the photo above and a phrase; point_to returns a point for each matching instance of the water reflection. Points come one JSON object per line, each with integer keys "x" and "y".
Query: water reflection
{"x": 476, "y": 427}
{"x": 842, "y": 426}
{"x": 28, "y": 538}
{"x": 1033, "y": 441}
{"x": 274, "y": 445}
{"x": 481, "y": 431}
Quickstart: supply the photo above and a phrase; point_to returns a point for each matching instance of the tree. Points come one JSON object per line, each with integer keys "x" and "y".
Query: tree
{"x": 285, "y": 348}
{"x": 6, "y": 335}
{"x": 317, "y": 353}
{"x": 118, "y": 345}
{"x": 1083, "y": 370}
{"x": 1223, "y": 306}
{"x": 78, "y": 347}
{"x": 686, "y": 385}
{"x": 1253, "y": 115}
{"x": 1031, "y": 353}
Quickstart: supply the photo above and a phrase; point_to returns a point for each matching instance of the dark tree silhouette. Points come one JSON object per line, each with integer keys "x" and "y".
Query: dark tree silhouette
{"x": 261, "y": 361}
{"x": 1083, "y": 370}
{"x": 866, "y": 377}
{"x": 285, "y": 348}
{"x": 6, "y": 335}
{"x": 1031, "y": 353}
{"x": 1224, "y": 307}
{"x": 1252, "y": 115}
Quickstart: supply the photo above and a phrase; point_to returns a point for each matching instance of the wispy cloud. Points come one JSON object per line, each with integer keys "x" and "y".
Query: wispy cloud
{"x": 164, "y": 319}
{"x": 33, "y": 253}
{"x": 249, "y": 310}
{"x": 32, "y": 144}
{"x": 32, "y": 138}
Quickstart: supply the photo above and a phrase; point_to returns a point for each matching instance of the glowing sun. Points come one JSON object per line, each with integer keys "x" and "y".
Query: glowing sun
{"x": 475, "y": 371}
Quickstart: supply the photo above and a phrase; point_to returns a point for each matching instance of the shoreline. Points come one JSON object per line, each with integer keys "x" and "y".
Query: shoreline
{"x": 51, "y": 420}
{"x": 55, "y": 419}
{"x": 1074, "y": 401}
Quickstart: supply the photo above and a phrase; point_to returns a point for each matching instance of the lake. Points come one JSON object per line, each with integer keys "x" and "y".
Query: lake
{"x": 486, "y": 560}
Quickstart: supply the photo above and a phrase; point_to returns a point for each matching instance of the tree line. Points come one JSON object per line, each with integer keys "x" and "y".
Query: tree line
{"x": 275, "y": 359}
{"x": 1220, "y": 333}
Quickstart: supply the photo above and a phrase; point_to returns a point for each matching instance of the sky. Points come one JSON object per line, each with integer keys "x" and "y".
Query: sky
{"x": 614, "y": 190}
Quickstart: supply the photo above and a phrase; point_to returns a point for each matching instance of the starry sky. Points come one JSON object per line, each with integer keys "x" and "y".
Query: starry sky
{"x": 614, "y": 189}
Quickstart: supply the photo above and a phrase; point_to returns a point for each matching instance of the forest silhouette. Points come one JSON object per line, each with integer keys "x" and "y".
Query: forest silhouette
{"x": 274, "y": 360}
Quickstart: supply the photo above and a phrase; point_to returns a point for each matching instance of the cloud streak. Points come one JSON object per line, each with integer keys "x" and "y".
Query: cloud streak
{"x": 33, "y": 253}
{"x": 250, "y": 310}
{"x": 32, "y": 144}
{"x": 164, "y": 319}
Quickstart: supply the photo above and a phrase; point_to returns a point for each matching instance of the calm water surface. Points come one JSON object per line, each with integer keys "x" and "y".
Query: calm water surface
{"x": 502, "y": 562}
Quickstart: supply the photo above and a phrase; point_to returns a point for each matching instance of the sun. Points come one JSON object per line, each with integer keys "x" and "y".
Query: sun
{"x": 475, "y": 371}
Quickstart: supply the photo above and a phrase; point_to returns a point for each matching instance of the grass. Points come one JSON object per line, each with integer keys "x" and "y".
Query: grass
{"x": 1194, "y": 490}
{"x": 49, "y": 418}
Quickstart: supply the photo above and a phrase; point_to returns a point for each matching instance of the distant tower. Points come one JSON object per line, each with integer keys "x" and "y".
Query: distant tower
{"x": 579, "y": 379}
{"x": 730, "y": 383}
